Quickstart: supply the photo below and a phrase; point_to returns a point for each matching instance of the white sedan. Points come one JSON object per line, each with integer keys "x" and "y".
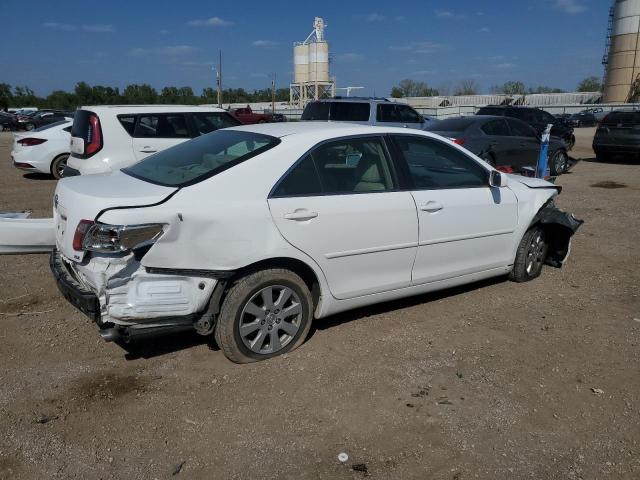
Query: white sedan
{"x": 44, "y": 150}
{"x": 252, "y": 232}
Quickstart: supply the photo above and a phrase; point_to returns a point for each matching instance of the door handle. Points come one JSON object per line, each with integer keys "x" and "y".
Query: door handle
{"x": 431, "y": 207}
{"x": 147, "y": 149}
{"x": 300, "y": 215}
{"x": 405, "y": 126}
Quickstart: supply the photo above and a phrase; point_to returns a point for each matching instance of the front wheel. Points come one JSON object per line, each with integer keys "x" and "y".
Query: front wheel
{"x": 530, "y": 257}
{"x": 265, "y": 314}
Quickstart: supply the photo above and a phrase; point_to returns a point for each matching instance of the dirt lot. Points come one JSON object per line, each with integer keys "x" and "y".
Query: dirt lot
{"x": 491, "y": 381}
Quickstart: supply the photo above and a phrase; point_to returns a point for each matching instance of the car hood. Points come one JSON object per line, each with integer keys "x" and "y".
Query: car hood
{"x": 85, "y": 197}
{"x": 531, "y": 182}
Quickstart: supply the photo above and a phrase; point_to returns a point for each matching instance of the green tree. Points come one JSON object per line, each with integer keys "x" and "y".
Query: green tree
{"x": 84, "y": 94}
{"x": 590, "y": 84}
{"x": 62, "y": 100}
{"x": 169, "y": 95}
{"x": 511, "y": 88}
{"x": 466, "y": 87}
{"x": 412, "y": 88}
{"x": 6, "y": 96}
{"x": 139, "y": 94}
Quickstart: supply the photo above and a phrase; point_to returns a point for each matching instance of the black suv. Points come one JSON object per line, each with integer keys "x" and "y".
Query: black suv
{"x": 538, "y": 119}
{"x": 618, "y": 133}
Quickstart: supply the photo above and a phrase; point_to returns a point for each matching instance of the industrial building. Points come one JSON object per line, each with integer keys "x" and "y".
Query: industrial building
{"x": 311, "y": 80}
{"x": 621, "y": 59}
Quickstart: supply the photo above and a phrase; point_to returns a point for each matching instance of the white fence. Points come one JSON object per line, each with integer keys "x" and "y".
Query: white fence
{"x": 294, "y": 114}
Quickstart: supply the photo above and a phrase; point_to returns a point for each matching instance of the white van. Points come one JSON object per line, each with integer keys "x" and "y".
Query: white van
{"x": 108, "y": 138}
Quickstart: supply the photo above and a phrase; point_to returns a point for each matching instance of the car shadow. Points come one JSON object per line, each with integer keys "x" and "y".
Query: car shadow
{"x": 165, "y": 344}
{"x": 37, "y": 176}
{"x": 386, "y": 307}
{"x": 614, "y": 160}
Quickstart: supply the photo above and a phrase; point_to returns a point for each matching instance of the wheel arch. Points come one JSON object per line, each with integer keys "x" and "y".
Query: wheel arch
{"x": 307, "y": 273}
{"x": 559, "y": 227}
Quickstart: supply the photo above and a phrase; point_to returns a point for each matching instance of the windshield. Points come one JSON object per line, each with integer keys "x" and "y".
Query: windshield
{"x": 201, "y": 158}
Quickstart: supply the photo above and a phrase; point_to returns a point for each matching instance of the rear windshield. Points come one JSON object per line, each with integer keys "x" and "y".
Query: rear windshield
{"x": 337, "y": 111}
{"x": 201, "y": 158}
{"x": 622, "y": 118}
{"x": 51, "y": 125}
{"x": 453, "y": 125}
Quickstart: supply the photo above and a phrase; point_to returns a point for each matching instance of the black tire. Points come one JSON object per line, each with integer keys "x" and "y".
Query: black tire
{"x": 262, "y": 120}
{"x": 530, "y": 256}
{"x": 559, "y": 163}
{"x": 240, "y": 295}
{"x": 58, "y": 164}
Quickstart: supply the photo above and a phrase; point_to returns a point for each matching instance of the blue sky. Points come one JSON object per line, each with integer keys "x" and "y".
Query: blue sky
{"x": 51, "y": 45}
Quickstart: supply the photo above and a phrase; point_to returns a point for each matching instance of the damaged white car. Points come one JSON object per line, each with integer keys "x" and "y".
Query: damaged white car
{"x": 252, "y": 232}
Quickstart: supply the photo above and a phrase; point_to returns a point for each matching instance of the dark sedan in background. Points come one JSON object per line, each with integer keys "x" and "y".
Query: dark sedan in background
{"x": 42, "y": 118}
{"x": 502, "y": 142}
{"x": 618, "y": 134}
{"x": 7, "y": 121}
{"x": 536, "y": 118}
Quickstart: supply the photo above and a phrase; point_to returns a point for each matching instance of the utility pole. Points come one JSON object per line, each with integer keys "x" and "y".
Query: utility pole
{"x": 219, "y": 79}
{"x": 273, "y": 94}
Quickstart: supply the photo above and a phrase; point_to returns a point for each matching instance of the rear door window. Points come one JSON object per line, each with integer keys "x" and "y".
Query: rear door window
{"x": 209, "y": 122}
{"x": 387, "y": 113}
{"x": 497, "y": 128}
{"x": 520, "y": 129}
{"x": 161, "y": 126}
{"x": 408, "y": 114}
{"x": 350, "y": 112}
{"x": 622, "y": 118}
{"x": 347, "y": 166}
{"x": 128, "y": 122}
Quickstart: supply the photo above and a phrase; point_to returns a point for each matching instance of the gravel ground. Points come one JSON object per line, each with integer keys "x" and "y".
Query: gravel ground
{"x": 494, "y": 380}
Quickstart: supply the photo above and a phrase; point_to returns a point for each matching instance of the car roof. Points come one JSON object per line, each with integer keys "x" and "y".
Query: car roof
{"x": 354, "y": 100}
{"x": 322, "y": 128}
{"x": 150, "y": 108}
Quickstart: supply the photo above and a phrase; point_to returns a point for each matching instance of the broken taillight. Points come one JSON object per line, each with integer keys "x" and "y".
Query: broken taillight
{"x": 81, "y": 231}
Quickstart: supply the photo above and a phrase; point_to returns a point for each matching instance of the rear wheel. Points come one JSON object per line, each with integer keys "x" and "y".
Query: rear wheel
{"x": 264, "y": 314}
{"x": 530, "y": 257}
{"x": 559, "y": 163}
{"x": 58, "y": 165}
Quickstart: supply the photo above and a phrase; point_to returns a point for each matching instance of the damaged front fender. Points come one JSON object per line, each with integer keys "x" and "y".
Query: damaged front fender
{"x": 559, "y": 227}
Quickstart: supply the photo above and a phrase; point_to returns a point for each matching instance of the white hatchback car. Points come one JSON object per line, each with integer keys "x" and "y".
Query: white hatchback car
{"x": 109, "y": 137}
{"x": 44, "y": 150}
{"x": 251, "y": 232}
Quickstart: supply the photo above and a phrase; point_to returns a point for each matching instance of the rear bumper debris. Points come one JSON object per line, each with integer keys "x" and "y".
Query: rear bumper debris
{"x": 76, "y": 294}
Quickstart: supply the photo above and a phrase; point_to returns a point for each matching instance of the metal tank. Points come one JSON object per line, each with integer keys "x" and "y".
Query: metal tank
{"x": 622, "y": 80}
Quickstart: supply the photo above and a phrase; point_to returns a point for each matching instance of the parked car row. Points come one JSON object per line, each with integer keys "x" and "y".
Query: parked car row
{"x": 618, "y": 135}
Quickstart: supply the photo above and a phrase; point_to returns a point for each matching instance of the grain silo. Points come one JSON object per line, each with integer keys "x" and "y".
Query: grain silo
{"x": 622, "y": 61}
{"x": 311, "y": 67}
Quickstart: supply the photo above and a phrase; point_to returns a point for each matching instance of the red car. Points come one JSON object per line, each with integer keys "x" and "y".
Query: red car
{"x": 249, "y": 117}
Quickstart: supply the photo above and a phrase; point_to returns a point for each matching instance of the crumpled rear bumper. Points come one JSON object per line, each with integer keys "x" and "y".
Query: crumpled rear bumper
{"x": 75, "y": 293}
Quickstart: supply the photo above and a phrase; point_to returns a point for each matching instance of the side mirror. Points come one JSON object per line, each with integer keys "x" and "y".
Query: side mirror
{"x": 498, "y": 179}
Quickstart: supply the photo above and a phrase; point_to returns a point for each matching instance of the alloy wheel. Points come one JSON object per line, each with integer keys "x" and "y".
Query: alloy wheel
{"x": 535, "y": 253}
{"x": 270, "y": 319}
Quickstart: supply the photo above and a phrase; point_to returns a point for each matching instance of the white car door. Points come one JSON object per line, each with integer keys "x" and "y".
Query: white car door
{"x": 158, "y": 131}
{"x": 340, "y": 206}
{"x": 466, "y": 226}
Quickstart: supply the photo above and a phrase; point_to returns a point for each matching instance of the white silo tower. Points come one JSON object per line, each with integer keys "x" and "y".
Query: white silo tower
{"x": 311, "y": 79}
{"x": 622, "y": 59}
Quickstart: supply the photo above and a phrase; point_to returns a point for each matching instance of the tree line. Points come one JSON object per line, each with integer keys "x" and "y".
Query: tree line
{"x": 135, "y": 94}
{"x": 412, "y": 88}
